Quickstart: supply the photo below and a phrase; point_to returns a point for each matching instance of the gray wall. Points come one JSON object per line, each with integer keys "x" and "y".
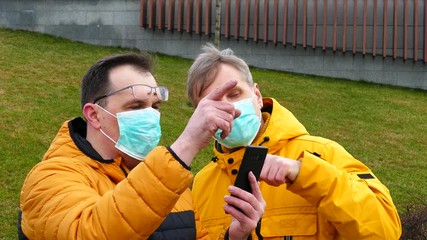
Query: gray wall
{"x": 116, "y": 23}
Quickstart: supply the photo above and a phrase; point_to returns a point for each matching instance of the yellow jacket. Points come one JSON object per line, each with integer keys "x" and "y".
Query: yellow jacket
{"x": 75, "y": 194}
{"x": 334, "y": 196}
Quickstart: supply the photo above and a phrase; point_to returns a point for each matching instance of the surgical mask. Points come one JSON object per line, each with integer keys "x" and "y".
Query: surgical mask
{"x": 245, "y": 127}
{"x": 139, "y": 131}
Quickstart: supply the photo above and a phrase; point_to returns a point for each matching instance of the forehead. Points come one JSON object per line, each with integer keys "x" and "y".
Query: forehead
{"x": 126, "y": 75}
{"x": 225, "y": 73}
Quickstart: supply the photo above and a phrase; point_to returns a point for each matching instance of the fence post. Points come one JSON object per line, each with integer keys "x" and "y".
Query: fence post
{"x": 217, "y": 23}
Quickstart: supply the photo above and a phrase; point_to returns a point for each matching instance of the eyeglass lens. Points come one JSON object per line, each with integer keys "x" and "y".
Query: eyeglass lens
{"x": 144, "y": 92}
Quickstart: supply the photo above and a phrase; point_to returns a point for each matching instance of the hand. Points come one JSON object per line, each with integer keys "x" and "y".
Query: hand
{"x": 278, "y": 170}
{"x": 211, "y": 114}
{"x": 251, "y": 210}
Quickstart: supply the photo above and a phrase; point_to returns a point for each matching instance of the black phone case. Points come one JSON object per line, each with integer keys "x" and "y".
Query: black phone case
{"x": 253, "y": 160}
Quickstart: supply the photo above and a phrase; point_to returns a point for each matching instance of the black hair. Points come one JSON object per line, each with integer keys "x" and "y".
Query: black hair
{"x": 96, "y": 81}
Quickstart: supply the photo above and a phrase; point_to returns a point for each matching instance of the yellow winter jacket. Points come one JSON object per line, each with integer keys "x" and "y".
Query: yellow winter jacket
{"x": 334, "y": 196}
{"x": 75, "y": 194}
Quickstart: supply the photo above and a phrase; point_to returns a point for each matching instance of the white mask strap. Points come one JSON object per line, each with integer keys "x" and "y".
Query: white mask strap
{"x": 101, "y": 129}
{"x": 107, "y": 136}
{"x": 105, "y": 110}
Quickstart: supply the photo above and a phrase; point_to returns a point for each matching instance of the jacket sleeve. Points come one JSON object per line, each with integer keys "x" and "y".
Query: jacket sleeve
{"x": 348, "y": 194}
{"x": 60, "y": 200}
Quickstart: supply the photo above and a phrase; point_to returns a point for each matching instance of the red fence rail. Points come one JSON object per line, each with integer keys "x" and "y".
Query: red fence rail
{"x": 394, "y": 30}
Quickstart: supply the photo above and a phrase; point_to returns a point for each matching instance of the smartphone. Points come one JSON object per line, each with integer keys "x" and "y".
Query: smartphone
{"x": 253, "y": 160}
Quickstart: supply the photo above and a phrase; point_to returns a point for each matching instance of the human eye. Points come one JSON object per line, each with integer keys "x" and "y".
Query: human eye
{"x": 234, "y": 95}
{"x": 136, "y": 105}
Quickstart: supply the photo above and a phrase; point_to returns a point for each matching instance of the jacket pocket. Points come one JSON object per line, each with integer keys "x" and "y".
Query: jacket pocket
{"x": 217, "y": 227}
{"x": 289, "y": 224}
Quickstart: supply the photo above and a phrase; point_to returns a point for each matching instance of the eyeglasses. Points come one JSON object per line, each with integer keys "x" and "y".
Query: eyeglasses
{"x": 141, "y": 91}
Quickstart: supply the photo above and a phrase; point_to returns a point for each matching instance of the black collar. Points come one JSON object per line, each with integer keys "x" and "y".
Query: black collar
{"x": 78, "y": 130}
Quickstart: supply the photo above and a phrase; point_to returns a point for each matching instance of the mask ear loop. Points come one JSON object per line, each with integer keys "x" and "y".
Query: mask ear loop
{"x": 105, "y": 110}
{"x": 103, "y": 133}
{"x": 259, "y": 112}
{"x": 107, "y": 136}
{"x": 254, "y": 87}
{"x": 253, "y": 95}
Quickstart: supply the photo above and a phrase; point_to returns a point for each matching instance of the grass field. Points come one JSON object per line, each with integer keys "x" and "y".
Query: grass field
{"x": 383, "y": 126}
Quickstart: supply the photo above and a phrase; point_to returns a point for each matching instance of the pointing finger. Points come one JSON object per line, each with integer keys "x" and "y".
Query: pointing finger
{"x": 219, "y": 92}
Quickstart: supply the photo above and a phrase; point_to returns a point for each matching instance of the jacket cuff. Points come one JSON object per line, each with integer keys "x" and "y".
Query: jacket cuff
{"x": 315, "y": 178}
{"x": 160, "y": 163}
{"x": 227, "y": 235}
{"x": 178, "y": 158}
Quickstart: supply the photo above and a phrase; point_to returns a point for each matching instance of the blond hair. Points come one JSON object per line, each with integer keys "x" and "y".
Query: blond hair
{"x": 206, "y": 66}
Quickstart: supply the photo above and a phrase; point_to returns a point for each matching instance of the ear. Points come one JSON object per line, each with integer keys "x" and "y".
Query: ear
{"x": 258, "y": 95}
{"x": 91, "y": 113}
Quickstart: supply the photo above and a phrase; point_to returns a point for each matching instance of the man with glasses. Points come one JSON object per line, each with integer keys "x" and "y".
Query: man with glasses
{"x": 104, "y": 177}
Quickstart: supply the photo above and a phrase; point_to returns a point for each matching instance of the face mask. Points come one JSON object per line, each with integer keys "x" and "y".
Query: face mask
{"x": 245, "y": 127}
{"x": 139, "y": 132}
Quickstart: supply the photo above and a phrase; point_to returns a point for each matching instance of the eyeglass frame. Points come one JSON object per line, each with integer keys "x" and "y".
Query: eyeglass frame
{"x": 161, "y": 88}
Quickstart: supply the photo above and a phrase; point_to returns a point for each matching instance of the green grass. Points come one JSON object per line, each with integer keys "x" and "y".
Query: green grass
{"x": 385, "y": 127}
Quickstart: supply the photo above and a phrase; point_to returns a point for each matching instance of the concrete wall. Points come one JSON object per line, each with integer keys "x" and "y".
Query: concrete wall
{"x": 116, "y": 23}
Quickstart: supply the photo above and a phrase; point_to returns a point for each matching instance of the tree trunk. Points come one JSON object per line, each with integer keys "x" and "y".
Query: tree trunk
{"x": 217, "y": 23}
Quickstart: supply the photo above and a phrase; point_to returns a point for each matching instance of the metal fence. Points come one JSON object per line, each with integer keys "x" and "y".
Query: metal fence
{"x": 387, "y": 28}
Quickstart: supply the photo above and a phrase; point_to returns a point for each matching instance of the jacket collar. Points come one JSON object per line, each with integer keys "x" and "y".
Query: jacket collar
{"x": 71, "y": 139}
{"x": 77, "y": 129}
{"x": 70, "y": 142}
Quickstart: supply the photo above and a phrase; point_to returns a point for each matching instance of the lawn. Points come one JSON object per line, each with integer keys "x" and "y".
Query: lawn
{"x": 383, "y": 126}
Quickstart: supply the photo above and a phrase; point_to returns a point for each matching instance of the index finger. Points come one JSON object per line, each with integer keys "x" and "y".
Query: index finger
{"x": 220, "y": 91}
